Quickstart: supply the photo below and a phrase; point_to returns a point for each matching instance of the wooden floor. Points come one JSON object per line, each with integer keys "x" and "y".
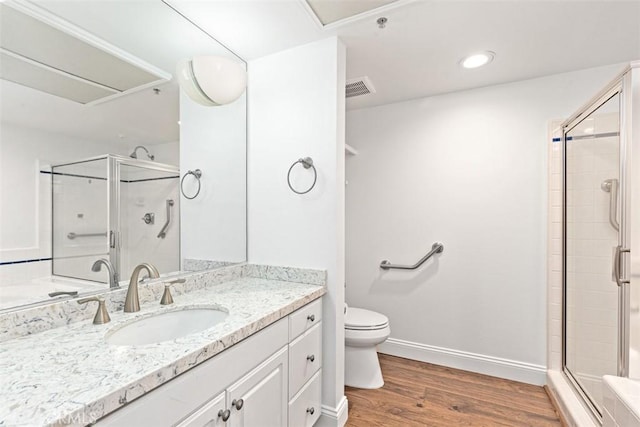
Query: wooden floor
{"x": 421, "y": 394}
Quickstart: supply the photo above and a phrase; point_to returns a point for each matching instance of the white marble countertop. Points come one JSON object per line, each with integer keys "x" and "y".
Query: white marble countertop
{"x": 70, "y": 375}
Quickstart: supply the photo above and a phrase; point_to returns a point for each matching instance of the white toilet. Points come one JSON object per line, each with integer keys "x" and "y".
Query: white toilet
{"x": 363, "y": 331}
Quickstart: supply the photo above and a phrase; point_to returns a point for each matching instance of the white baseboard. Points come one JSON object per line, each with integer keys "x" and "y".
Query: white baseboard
{"x": 488, "y": 365}
{"x": 334, "y": 417}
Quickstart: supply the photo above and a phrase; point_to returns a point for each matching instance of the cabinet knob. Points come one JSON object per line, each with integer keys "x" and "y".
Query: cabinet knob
{"x": 224, "y": 414}
{"x": 311, "y": 317}
{"x": 237, "y": 403}
{"x": 311, "y": 410}
{"x": 311, "y": 358}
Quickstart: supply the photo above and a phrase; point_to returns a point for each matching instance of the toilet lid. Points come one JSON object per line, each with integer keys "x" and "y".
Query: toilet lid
{"x": 359, "y": 318}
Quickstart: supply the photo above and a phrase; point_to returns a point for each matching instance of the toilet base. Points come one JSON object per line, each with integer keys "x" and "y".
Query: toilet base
{"x": 362, "y": 368}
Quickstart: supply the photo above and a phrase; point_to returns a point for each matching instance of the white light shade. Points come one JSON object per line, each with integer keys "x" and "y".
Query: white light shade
{"x": 212, "y": 80}
{"x": 477, "y": 60}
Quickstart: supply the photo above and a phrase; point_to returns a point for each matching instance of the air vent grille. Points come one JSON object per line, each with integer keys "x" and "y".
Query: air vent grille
{"x": 358, "y": 87}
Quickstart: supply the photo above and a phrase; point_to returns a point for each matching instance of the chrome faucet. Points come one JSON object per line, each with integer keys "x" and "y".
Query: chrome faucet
{"x": 113, "y": 275}
{"x": 132, "y": 302}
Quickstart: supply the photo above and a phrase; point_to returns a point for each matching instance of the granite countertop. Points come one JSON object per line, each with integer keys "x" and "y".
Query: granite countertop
{"x": 70, "y": 375}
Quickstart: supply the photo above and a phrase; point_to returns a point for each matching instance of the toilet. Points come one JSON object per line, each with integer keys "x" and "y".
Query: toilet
{"x": 363, "y": 331}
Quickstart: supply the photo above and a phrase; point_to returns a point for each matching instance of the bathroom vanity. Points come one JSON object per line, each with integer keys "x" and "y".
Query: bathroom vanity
{"x": 272, "y": 378}
{"x": 260, "y": 366}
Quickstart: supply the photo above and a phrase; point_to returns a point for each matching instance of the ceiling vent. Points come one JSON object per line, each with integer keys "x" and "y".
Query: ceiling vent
{"x": 41, "y": 51}
{"x": 359, "y": 86}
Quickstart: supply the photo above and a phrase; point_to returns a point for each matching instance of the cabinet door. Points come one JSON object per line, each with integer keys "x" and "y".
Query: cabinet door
{"x": 260, "y": 398}
{"x": 210, "y": 415}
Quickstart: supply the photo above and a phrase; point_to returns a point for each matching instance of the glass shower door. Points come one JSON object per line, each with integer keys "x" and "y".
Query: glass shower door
{"x": 148, "y": 215}
{"x": 592, "y": 225}
{"x": 80, "y": 219}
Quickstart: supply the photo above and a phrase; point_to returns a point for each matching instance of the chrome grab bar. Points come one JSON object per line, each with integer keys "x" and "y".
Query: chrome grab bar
{"x": 73, "y": 235}
{"x": 611, "y": 186}
{"x": 436, "y": 248}
{"x": 163, "y": 233}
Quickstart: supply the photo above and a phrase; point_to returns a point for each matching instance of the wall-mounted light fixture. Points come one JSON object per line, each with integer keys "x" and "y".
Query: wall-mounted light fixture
{"x": 212, "y": 80}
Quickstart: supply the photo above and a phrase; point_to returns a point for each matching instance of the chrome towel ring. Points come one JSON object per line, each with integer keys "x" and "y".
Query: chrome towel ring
{"x": 197, "y": 174}
{"x": 307, "y": 163}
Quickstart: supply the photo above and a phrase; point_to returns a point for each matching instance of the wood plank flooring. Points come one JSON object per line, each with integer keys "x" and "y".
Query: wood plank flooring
{"x": 421, "y": 394}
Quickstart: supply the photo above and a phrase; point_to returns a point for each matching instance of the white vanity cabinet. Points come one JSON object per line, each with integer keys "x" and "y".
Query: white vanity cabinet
{"x": 258, "y": 399}
{"x": 271, "y": 379}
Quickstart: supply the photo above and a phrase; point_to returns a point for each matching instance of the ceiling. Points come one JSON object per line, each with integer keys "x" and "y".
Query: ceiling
{"x": 418, "y": 52}
{"x": 148, "y": 30}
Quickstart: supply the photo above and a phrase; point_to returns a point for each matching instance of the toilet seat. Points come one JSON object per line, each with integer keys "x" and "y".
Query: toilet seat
{"x": 359, "y": 319}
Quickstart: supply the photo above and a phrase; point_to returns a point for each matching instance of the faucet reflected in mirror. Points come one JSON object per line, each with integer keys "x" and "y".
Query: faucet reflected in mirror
{"x": 132, "y": 301}
{"x": 113, "y": 275}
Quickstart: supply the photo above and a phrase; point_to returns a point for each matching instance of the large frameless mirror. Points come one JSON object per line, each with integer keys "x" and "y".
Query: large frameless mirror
{"x": 92, "y": 150}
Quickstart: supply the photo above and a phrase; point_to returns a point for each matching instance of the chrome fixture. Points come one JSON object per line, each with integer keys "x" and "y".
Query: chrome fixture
{"x": 617, "y": 259}
{"x": 436, "y": 248}
{"x": 307, "y": 163}
{"x": 163, "y": 233}
{"x": 113, "y": 274}
{"x": 73, "y": 235}
{"x": 166, "y": 296}
{"x": 197, "y": 174}
{"x": 59, "y": 293}
{"x": 135, "y": 156}
{"x": 102, "y": 315}
{"x": 149, "y": 218}
{"x": 132, "y": 301}
{"x": 611, "y": 186}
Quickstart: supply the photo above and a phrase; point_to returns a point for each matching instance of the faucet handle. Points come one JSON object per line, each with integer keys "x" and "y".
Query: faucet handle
{"x": 166, "y": 296}
{"x": 102, "y": 315}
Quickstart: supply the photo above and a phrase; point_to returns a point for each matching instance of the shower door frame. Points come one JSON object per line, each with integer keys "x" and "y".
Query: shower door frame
{"x": 114, "y": 162}
{"x": 621, "y": 86}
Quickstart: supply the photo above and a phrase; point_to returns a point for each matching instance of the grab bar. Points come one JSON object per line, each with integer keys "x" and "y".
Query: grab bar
{"x": 163, "y": 233}
{"x": 611, "y": 186}
{"x": 73, "y": 235}
{"x": 436, "y": 248}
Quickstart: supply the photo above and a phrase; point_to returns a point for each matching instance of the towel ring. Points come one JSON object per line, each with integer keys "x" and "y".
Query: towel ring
{"x": 197, "y": 174}
{"x": 307, "y": 163}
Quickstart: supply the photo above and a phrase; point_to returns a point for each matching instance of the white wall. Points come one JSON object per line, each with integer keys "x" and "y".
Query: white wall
{"x": 296, "y": 109}
{"x": 213, "y": 139}
{"x": 467, "y": 169}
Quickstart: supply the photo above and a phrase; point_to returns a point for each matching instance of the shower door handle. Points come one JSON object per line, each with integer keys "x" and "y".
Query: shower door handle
{"x": 617, "y": 259}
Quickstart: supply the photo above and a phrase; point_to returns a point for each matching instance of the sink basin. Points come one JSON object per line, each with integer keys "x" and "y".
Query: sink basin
{"x": 166, "y": 326}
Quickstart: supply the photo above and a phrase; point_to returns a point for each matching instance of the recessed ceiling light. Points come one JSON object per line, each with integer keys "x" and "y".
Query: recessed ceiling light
{"x": 477, "y": 59}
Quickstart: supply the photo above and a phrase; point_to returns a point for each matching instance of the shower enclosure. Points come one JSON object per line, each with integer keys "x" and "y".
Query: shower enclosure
{"x": 597, "y": 241}
{"x": 116, "y": 208}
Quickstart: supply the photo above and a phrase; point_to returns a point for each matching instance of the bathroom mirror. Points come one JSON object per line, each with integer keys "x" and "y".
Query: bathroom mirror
{"x": 95, "y": 142}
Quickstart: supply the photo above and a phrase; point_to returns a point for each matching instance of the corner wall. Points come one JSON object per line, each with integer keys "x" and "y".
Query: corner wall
{"x": 467, "y": 169}
{"x": 296, "y": 109}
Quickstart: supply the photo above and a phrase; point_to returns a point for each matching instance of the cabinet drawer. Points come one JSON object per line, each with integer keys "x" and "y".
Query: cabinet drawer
{"x": 305, "y": 318}
{"x": 305, "y": 358}
{"x": 304, "y": 408}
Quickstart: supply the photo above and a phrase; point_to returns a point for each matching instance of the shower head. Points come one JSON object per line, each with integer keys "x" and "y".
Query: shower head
{"x": 135, "y": 156}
